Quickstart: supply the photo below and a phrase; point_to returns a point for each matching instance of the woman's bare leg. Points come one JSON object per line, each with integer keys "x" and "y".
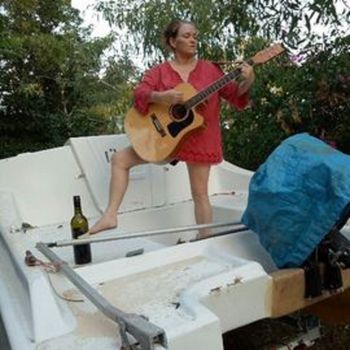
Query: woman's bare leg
{"x": 199, "y": 179}
{"x": 121, "y": 163}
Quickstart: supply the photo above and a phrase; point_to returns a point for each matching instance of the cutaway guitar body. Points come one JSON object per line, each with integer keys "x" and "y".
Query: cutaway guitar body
{"x": 157, "y": 136}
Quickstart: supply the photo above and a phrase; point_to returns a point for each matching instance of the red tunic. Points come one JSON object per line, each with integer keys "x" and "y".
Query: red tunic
{"x": 204, "y": 146}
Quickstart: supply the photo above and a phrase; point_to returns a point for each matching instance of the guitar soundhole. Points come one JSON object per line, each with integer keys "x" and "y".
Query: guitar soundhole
{"x": 178, "y": 112}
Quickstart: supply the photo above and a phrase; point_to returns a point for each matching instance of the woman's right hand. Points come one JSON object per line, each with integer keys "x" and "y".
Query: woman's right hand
{"x": 171, "y": 96}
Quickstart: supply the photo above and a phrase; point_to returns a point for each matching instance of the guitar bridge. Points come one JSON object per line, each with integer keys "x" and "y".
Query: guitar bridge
{"x": 158, "y": 126}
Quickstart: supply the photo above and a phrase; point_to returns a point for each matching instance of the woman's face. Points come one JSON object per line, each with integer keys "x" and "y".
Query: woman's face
{"x": 185, "y": 43}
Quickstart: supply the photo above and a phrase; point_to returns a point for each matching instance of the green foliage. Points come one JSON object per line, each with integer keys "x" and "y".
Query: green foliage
{"x": 288, "y": 99}
{"x": 113, "y": 96}
{"x": 50, "y": 81}
{"x": 250, "y": 135}
{"x": 292, "y": 21}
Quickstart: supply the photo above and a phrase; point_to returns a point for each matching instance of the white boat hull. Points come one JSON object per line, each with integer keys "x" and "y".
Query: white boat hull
{"x": 194, "y": 291}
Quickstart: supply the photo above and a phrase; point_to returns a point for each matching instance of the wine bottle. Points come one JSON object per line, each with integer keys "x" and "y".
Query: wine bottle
{"x": 79, "y": 225}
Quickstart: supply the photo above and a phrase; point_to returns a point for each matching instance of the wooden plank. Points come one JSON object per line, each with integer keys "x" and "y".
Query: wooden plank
{"x": 288, "y": 288}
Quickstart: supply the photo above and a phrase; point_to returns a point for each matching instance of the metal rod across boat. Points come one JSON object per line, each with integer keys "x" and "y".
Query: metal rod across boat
{"x": 221, "y": 233}
{"x": 65, "y": 243}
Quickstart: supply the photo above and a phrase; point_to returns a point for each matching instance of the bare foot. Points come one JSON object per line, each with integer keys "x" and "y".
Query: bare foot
{"x": 106, "y": 222}
{"x": 203, "y": 233}
{"x": 200, "y": 237}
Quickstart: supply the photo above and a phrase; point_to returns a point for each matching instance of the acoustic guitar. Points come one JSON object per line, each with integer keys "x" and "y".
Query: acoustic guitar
{"x": 158, "y": 135}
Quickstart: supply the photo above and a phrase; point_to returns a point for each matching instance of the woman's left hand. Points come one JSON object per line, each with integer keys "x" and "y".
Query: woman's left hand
{"x": 248, "y": 75}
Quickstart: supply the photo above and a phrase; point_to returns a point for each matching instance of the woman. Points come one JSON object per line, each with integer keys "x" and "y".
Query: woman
{"x": 200, "y": 150}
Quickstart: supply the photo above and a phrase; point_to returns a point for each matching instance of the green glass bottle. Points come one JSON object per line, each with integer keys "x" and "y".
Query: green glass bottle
{"x": 79, "y": 225}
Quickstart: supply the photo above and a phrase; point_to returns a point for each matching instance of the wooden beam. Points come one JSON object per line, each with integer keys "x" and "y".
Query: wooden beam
{"x": 288, "y": 288}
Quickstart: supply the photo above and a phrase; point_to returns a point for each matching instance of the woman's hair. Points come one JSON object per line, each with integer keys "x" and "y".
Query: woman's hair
{"x": 172, "y": 30}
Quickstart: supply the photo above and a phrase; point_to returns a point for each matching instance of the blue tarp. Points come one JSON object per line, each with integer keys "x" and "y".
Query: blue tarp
{"x": 296, "y": 196}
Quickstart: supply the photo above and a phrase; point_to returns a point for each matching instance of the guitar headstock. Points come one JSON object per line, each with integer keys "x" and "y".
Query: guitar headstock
{"x": 268, "y": 53}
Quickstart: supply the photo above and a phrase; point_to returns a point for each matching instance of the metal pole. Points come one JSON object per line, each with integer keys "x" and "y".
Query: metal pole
{"x": 222, "y": 233}
{"x": 65, "y": 243}
{"x": 145, "y": 332}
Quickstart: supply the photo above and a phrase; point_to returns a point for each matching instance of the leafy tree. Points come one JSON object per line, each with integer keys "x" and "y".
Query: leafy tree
{"x": 289, "y": 98}
{"x": 113, "y": 96}
{"x": 322, "y": 105}
{"x": 50, "y": 77}
{"x": 292, "y": 21}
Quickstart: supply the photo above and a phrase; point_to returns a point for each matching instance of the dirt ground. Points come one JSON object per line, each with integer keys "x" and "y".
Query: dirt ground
{"x": 270, "y": 334}
{"x": 334, "y": 337}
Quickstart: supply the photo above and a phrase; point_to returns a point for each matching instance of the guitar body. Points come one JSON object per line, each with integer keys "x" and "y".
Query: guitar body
{"x": 157, "y": 136}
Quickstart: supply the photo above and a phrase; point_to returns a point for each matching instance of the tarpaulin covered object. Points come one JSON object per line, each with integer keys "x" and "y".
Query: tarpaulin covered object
{"x": 296, "y": 196}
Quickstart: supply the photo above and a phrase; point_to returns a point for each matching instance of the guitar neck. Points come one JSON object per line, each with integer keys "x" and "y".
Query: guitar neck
{"x": 211, "y": 89}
